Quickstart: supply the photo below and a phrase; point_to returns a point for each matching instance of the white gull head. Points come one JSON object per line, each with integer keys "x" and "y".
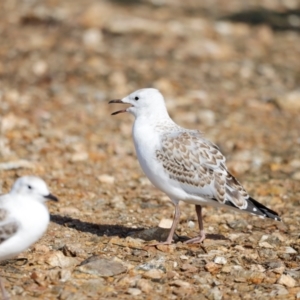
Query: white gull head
{"x": 145, "y": 102}
{"x": 32, "y": 186}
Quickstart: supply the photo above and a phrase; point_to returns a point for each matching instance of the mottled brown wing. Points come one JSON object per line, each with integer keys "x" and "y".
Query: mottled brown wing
{"x": 8, "y": 227}
{"x": 200, "y": 168}
{"x": 196, "y": 163}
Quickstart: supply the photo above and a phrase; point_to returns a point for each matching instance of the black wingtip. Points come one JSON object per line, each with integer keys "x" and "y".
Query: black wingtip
{"x": 269, "y": 213}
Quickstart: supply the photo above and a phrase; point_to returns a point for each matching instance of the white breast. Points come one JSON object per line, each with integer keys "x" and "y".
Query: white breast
{"x": 32, "y": 218}
{"x": 146, "y": 142}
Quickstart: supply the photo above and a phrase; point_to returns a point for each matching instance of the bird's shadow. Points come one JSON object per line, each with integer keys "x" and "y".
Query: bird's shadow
{"x": 216, "y": 237}
{"x": 277, "y": 20}
{"x": 121, "y": 231}
{"x": 97, "y": 229}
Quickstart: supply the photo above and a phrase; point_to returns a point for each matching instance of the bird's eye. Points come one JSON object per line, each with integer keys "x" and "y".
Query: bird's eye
{"x": 136, "y": 98}
{"x": 29, "y": 186}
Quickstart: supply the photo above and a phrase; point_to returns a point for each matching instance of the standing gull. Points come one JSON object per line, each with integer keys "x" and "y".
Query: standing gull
{"x": 182, "y": 163}
{"x": 23, "y": 217}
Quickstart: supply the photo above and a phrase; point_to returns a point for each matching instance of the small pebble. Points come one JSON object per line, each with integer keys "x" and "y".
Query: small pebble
{"x": 165, "y": 223}
{"x": 181, "y": 283}
{"x": 211, "y": 267}
{"x": 134, "y": 291}
{"x": 57, "y": 259}
{"x": 191, "y": 224}
{"x": 144, "y": 285}
{"x": 220, "y": 260}
{"x": 103, "y": 267}
{"x": 287, "y": 280}
{"x": 106, "y": 179}
{"x": 153, "y": 274}
{"x": 290, "y": 250}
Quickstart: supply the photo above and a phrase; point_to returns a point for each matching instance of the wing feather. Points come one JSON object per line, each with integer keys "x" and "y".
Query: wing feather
{"x": 8, "y": 226}
{"x": 194, "y": 162}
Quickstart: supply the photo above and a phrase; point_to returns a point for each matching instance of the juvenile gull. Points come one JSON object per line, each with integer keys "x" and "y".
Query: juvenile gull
{"x": 182, "y": 163}
{"x": 24, "y": 217}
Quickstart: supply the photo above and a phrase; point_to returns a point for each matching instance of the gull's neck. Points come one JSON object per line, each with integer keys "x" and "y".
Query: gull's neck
{"x": 159, "y": 120}
{"x": 153, "y": 115}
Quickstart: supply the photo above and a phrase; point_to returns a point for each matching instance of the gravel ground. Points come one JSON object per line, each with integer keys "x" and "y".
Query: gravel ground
{"x": 60, "y": 63}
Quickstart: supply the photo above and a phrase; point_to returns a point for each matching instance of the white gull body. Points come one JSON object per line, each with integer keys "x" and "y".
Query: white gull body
{"x": 182, "y": 163}
{"x": 24, "y": 217}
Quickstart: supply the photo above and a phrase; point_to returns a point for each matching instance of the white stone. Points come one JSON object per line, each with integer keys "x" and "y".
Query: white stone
{"x": 191, "y": 224}
{"x": 153, "y": 274}
{"x": 258, "y": 268}
{"x": 286, "y": 280}
{"x": 104, "y": 178}
{"x": 279, "y": 290}
{"x": 216, "y": 293}
{"x": 296, "y": 175}
{"x": 264, "y": 237}
{"x": 57, "y": 259}
{"x": 165, "y": 223}
{"x": 134, "y": 291}
{"x": 290, "y": 101}
{"x": 39, "y": 68}
{"x": 79, "y": 156}
{"x": 183, "y": 257}
{"x": 92, "y": 37}
{"x": 17, "y": 164}
{"x": 290, "y": 250}
{"x": 181, "y": 283}
{"x": 265, "y": 245}
{"x": 220, "y": 260}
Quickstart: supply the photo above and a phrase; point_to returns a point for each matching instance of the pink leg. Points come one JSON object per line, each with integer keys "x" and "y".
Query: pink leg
{"x": 172, "y": 230}
{"x": 201, "y": 237}
{"x": 5, "y": 295}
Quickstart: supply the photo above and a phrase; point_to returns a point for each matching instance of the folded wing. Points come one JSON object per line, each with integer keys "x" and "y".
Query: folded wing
{"x": 199, "y": 167}
{"x": 8, "y": 226}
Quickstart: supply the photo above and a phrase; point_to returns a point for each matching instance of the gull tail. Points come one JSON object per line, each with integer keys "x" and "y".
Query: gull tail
{"x": 263, "y": 210}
